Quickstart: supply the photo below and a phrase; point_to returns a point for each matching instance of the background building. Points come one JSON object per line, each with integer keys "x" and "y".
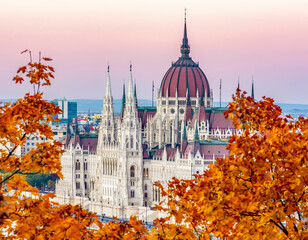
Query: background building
{"x": 69, "y": 110}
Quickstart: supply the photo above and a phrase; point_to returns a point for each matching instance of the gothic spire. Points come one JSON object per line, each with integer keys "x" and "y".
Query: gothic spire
{"x": 196, "y": 136}
{"x": 135, "y": 93}
{"x": 108, "y": 87}
{"x": 185, "y": 49}
{"x": 252, "y": 90}
{"x": 184, "y": 135}
{"x": 188, "y": 102}
{"x": 130, "y": 83}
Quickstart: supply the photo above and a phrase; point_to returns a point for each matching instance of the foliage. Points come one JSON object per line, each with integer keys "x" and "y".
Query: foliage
{"x": 259, "y": 191}
{"x": 37, "y": 217}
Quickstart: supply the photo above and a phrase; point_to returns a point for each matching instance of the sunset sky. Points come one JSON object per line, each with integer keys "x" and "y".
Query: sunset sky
{"x": 267, "y": 39}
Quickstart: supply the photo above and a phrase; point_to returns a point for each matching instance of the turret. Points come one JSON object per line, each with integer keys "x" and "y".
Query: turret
{"x": 108, "y": 125}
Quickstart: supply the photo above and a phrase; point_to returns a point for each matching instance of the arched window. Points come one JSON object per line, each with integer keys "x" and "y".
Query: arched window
{"x": 77, "y": 165}
{"x": 145, "y": 195}
{"x": 132, "y": 171}
{"x": 132, "y": 193}
{"x": 85, "y": 165}
{"x": 131, "y": 142}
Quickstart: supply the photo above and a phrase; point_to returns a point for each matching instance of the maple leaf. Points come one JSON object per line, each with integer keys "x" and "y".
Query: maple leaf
{"x": 18, "y": 79}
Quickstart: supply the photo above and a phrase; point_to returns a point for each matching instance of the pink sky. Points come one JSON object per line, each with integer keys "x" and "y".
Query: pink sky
{"x": 267, "y": 39}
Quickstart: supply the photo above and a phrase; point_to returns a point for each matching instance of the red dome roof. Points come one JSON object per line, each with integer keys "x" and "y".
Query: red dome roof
{"x": 185, "y": 75}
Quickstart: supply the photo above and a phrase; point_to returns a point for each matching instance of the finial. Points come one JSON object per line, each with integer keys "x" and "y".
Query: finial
{"x": 185, "y": 49}
{"x": 130, "y": 66}
{"x": 108, "y": 68}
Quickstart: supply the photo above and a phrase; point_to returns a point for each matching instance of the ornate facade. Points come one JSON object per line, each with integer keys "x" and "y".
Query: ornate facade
{"x": 114, "y": 174}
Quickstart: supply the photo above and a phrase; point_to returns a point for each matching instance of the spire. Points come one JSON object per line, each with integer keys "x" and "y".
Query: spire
{"x": 185, "y": 49}
{"x": 108, "y": 87}
{"x": 196, "y": 136}
{"x": 238, "y": 82}
{"x": 184, "y": 135}
{"x": 252, "y": 91}
{"x": 188, "y": 102}
{"x": 135, "y": 94}
{"x": 123, "y": 96}
{"x": 130, "y": 83}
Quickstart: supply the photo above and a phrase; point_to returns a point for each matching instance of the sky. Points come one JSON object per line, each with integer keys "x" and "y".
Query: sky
{"x": 266, "y": 39}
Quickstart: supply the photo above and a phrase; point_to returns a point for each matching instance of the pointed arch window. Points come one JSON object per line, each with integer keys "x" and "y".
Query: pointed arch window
{"x": 132, "y": 171}
{"x": 77, "y": 165}
{"x": 85, "y": 165}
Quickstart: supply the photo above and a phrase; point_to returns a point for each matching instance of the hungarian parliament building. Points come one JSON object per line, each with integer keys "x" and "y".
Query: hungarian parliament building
{"x": 114, "y": 173}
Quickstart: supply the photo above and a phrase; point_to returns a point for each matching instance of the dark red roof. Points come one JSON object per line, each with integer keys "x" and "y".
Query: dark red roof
{"x": 218, "y": 120}
{"x": 185, "y": 75}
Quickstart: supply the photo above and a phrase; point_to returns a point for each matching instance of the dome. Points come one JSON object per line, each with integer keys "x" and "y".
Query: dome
{"x": 185, "y": 75}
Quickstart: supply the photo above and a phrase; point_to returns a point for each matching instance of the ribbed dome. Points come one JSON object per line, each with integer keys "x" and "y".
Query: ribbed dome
{"x": 185, "y": 75}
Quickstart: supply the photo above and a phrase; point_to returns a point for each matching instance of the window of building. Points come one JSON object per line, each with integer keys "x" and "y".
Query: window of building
{"x": 77, "y": 165}
{"x": 132, "y": 193}
{"x": 145, "y": 187}
{"x": 78, "y": 175}
{"x": 85, "y": 176}
{"x": 132, "y": 171}
{"x": 145, "y": 195}
{"x": 132, "y": 184}
{"x": 77, "y": 185}
{"x": 85, "y": 166}
{"x": 85, "y": 185}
